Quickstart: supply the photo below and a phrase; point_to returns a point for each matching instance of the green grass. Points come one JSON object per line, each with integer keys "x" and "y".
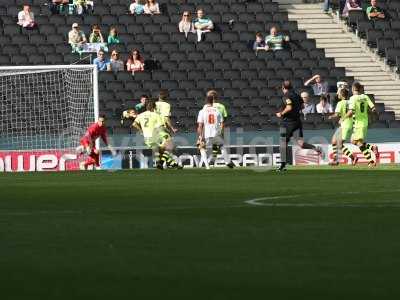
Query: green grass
{"x": 190, "y": 235}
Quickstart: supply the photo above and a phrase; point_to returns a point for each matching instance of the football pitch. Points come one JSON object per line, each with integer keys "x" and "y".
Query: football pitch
{"x": 309, "y": 233}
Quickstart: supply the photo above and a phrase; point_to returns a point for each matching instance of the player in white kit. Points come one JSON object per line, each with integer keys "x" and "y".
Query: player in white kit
{"x": 210, "y": 125}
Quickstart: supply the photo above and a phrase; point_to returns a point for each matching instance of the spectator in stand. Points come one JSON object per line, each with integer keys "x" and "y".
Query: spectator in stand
{"x": 309, "y": 107}
{"x": 96, "y": 36}
{"x": 76, "y": 38}
{"x": 319, "y": 86}
{"x": 374, "y": 12}
{"x": 274, "y": 41}
{"x": 135, "y": 62}
{"x": 55, "y": 5}
{"x": 116, "y": 63}
{"x": 202, "y": 24}
{"x": 259, "y": 43}
{"x": 102, "y": 63}
{"x": 136, "y": 7}
{"x": 186, "y": 25}
{"x": 351, "y": 5}
{"x": 113, "y": 37}
{"x": 324, "y": 107}
{"x": 151, "y": 7}
{"x": 83, "y": 6}
{"x": 26, "y": 18}
{"x": 141, "y": 106}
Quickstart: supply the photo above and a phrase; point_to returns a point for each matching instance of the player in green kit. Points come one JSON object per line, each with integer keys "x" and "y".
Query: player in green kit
{"x": 343, "y": 133}
{"x": 156, "y": 137}
{"x": 359, "y": 105}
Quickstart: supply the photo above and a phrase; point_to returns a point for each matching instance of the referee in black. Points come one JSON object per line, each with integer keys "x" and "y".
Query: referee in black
{"x": 291, "y": 123}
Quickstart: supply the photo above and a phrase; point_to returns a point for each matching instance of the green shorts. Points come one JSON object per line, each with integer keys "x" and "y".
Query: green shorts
{"x": 346, "y": 133}
{"x": 157, "y": 141}
{"x": 359, "y": 133}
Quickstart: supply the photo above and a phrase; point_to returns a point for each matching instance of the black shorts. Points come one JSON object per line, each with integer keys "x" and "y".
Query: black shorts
{"x": 288, "y": 128}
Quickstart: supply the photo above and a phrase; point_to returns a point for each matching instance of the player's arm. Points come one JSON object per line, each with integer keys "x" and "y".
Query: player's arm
{"x": 288, "y": 108}
{"x": 200, "y": 131}
{"x": 137, "y": 126}
{"x": 105, "y": 140}
{"x": 169, "y": 126}
{"x": 371, "y": 105}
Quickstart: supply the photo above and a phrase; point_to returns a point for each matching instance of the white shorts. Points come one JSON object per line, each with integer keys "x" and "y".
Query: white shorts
{"x": 217, "y": 140}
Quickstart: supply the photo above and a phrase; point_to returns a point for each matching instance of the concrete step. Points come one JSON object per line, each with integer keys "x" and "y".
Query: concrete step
{"x": 328, "y": 36}
{"x": 305, "y": 11}
{"x": 325, "y": 31}
{"x": 364, "y": 59}
{"x": 386, "y": 84}
{"x": 350, "y": 49}
{"x": 343, "y": 45}
{"x": 320, "y": 26}
{"x": 310, "y": 16}
{"x": 352, "y": 64}
{"x": 389, "y": 98}
{"x": 337, "y": 41}
{"x": 364, "y": 68}
{"x": 314, "y": 21}
{"x": 380, "y": 93}
{"x": 296, "y": 6}
{"x": 369, "y": 78}
{"x": 378, "y": 74}
{"x": 379, "y": 88}
{"x": 346, "y": 54}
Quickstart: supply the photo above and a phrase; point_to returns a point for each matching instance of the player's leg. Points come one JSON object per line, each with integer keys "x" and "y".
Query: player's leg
{"x": 334, "y": 144}
{"x": 302, "y": 144}
{"x": 167, "y": 157}
{"x": 346, "y": 134}
{"x": 359, "y": 134}
{"x": 285, "y": 133}
{"x": 202, "y": 146}
{"x": 219, "y": 148}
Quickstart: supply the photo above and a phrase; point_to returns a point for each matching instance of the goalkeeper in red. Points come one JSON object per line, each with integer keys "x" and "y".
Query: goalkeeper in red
{"x": 88, "y": 143}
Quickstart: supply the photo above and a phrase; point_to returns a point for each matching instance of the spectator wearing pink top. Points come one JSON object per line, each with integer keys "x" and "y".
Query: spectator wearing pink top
{"x": 135, "y": 62}
{"x": 351, "y": 5}
{"x": 151, "y": 8}
{"x": 26, "y": 17}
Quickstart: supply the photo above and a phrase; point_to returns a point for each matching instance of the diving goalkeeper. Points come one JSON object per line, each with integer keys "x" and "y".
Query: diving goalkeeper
{"x": 88, "y": 143}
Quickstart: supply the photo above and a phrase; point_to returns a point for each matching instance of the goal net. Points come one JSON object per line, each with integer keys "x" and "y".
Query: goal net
{"x": 46, "y": 107}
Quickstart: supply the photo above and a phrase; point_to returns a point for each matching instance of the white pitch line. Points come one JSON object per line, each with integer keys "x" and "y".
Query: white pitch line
{"x": 261, "y": 201}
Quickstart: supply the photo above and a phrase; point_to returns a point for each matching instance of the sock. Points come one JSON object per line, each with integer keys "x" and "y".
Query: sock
{"x": 203, "y": 154}
{"x": 167, "y": 157}
{"x": 347, "y": 152}
{"x": 366, "y": 152}
{"x": 215, "y": 151}
{"x": 334, "y": 150}
{"x": 225, "y": 155}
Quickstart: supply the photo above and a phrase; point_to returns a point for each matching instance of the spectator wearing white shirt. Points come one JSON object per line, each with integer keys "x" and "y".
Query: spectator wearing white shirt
{"x": 324, "y": 107}
{"x": 151, "y": 7}
{"x": 202, "y": 24}
{"x": 26, "y": 18}
{"x": 186, "y": 24}
{"x": 309, "y": 107}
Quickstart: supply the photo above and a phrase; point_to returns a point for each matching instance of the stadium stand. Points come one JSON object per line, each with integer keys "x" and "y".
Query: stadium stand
{"x": 247, "y": 81}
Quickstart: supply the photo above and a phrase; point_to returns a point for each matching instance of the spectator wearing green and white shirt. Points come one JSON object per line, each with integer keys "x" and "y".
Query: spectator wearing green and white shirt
{"x": 202, "y": 24}
{"x": 274, "y": 40}
{"x": 374, "y": 12}
{"x": 113, "y": 37}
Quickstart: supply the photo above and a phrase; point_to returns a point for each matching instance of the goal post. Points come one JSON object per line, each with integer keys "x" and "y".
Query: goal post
{"x": 46, "y": 107}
